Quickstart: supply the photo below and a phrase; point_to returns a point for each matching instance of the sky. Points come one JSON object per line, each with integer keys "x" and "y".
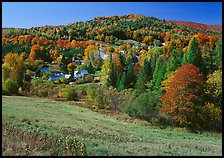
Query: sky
{"x": 30, "y": 14}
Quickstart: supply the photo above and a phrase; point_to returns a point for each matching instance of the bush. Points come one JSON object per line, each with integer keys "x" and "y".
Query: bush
{"x": 6, "y": 70}
{"x": 100, "y": 96}
{"x": 145, "y": 106}
{"x": 70, "y": 94}
{"x": 63, "y": 80}
{"x": 211, "y": 117}
{"x": 45, "y": 75}
{"x": 10, "y": 87}
{"x": 42, "y": 93}
{"x": 89, "y": 78}
{"x": 91, "y": 92}
{"x": 80, "y": 81}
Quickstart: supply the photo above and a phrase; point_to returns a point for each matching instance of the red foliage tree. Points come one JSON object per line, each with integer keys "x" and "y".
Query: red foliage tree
{"x": 182, "y": 99}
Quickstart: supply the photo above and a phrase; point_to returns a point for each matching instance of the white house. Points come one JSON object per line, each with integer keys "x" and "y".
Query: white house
{"x": 80, "y": 74}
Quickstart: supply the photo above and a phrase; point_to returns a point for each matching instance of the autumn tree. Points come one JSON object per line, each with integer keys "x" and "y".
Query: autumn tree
{"x": 6, "y": 71}
{"x": 95, "y": 59}
{"x": 39, "y": 52}
{"x": 16, "y": 65}
{"x": 183, "y": 98}
{"x": 53, "y": 54}
{"x": 214, "y": 88}
{"x": 70, "y": 67}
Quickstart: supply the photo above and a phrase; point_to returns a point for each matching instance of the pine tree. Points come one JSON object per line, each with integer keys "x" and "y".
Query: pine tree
{"x": 158, "y": 74}
{"x": 193, "y": 56}
{"x": 180, "y": 56}
{"x": 144, "y": 76}
{"x": 122, "y": 82}
{"x": 63, "y": 64}
{"x": 172, "y": 63}
{"x": 130, "y": 77}
{"x": 218, "y": 53}
{"x": 112, "y": 78}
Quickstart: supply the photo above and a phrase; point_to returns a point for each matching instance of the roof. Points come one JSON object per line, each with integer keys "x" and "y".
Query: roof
{"x": 83, "y": 71}
{"x": 56, "y": 77}
{"x": 45, "y": 69}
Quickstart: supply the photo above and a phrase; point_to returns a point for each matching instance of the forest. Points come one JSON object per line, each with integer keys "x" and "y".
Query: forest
{"x": 163, "y": 72}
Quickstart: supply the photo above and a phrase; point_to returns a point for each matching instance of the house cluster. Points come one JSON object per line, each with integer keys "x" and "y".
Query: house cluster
{"x": 83, "y": 73}
{"x": 58, "y": 74}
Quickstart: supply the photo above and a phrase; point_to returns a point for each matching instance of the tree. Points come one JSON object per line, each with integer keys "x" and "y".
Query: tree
{"x": 131, "y": 77}
{"x": 121, "y": 82}
{"x": 39, "y": 53}
{"x": 159, "y": 72}
{"x": 10, "y": 87}
{"x": 218, "y": 53}
{"x": 144, "y": 76}
{"x": 172, "y": 63}
{"x": 6, "y": 71}
{"x": 192, "y": 56}
{"x": 16, "y": 64}
{"x": 63, "y": 64}
{"x": 95, "y": 59}
{"x": 183, "y": 98}
{"x": 70, "y": 68}
{"x": 214, "y": 88}
{"x": 53, "y": 54}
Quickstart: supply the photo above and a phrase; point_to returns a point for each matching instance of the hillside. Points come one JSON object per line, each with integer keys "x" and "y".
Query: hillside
{"x": 103, "y": 134}
{"x": 112, "y": 28}
{"x": 194, "y": 25}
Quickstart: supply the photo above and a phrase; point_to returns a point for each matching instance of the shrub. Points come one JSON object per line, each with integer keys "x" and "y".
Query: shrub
{"x": 70, "y": 94}
{"x": 6, "y": 70}
{"x": 91, "y": 92}
{"x": 101, "y": 100}
{"x": 80, "y": 81}
{"x": 89, "y": 78}
{"x": 42, "y": 93}
{"x": 145, "y": 106}
{"x": 10, "y": 87}
{"x": 63, "y": 80}
{"x": 45, "y": 75}
{"x": 211, "y": 117}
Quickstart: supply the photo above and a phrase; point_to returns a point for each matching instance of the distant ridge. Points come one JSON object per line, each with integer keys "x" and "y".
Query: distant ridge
{"x": 199, "y": 26}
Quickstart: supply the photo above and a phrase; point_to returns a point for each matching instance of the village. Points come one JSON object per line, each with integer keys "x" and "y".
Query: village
{"x": 71, "y": 78}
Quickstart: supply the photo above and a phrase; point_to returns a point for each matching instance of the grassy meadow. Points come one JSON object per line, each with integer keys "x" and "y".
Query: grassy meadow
{"x": 105, "y": 134}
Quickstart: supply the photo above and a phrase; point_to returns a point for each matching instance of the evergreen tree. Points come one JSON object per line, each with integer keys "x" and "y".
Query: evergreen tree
{"x": 192, "y": 56}
{"x": 144, "y": 76}
{"x": 158, "y": 74}
{"x": 122, "y": 82}
{"x": 218, "y": 53}
{"x": 130, "y": 77}
{"x": 172, "y": 63}
{"x": 63, "y": 64}
{"x": 180, "y": 56}
{"x": 112, "y": 77}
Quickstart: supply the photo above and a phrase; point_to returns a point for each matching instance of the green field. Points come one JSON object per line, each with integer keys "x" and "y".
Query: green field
{"x": 103, "y": 134}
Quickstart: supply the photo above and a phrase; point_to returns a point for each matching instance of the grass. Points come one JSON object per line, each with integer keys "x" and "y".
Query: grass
{"x": 103, "y": 134}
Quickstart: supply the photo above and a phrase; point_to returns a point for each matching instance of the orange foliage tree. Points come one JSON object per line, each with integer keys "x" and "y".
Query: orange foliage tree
{"x": 182, "y": 98}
